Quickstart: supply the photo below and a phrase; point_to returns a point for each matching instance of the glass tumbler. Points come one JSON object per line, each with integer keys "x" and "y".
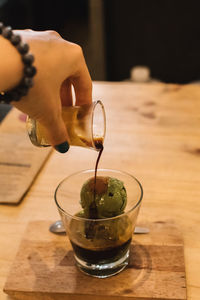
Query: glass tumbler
{"x": 101, "y": 246}
{"x": 86, "y": 126}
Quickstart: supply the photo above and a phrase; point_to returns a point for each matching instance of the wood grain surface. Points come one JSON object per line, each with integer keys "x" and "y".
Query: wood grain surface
{"x": 44, "y": 268}
{"x": 20, "y": 162}
{"x": 153, "y": 132}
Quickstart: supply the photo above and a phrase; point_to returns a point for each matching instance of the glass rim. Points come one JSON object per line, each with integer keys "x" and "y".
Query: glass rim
{"x": 95, "y": 103}
{"x": 103, "y": 219}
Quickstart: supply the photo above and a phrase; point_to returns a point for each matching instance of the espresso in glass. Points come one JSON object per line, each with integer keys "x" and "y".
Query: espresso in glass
{"x": 106, "y": 244}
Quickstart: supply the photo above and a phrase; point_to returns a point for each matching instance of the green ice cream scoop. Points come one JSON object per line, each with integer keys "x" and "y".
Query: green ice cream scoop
{"x": 107, "y": 196}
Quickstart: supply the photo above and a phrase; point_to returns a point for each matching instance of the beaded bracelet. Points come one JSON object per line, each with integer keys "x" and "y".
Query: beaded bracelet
{"x": 29, "y": 70}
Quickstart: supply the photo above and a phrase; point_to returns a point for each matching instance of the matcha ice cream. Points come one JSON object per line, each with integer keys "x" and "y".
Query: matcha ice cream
{"x": 107, "y": 198}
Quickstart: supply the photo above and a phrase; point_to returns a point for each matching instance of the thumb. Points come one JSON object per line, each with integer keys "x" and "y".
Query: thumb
{"x": 57, "y": 135}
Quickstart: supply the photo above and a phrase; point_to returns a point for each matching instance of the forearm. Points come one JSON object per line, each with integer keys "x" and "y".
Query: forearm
{"x": 11, "y": 66}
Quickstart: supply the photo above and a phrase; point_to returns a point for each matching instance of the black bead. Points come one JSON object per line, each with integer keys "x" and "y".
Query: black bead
{"x": 28, "y": 82}
{"x": 28, "y": 59}
{"x": 7, "y": 97}
{"x": 7, "y": 32}
{"x": 23, "y": 90}
{"x": 1, "y": 27}
{"x": 23, "y": 48}
{"x": 1, "y": 97}
{"x": 15, "y": 39}
{"x": 14, "y": 95}
{"x": 30, "y": 71}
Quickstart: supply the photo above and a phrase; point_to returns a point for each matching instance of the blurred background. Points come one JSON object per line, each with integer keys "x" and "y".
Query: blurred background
{"x": 118, "y": 36}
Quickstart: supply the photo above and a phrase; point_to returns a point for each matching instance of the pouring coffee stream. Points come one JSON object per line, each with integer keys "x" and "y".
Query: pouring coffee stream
{"x": 93, "y": 214}
{"x": 93, "y": 209}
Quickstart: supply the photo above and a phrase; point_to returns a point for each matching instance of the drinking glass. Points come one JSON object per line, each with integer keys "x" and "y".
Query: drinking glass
{"x": 101, "y": 246}
{"x": 86, "y": 126}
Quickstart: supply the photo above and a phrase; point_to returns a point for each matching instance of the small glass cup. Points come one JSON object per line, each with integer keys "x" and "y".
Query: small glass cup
{"x": 86, "y": 126}
{"x": 101, "y": 246}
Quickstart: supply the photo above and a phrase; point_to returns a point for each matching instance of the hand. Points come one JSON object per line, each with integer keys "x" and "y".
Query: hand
{"x": 60, "y": 65}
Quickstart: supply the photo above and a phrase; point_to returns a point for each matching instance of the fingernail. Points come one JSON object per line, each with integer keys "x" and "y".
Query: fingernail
{"x": 62, "y": 148}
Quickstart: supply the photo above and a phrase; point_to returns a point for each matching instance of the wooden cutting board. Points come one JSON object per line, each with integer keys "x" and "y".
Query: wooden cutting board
{"x": 20, "y": 161}
{"x": 44, "y": 268}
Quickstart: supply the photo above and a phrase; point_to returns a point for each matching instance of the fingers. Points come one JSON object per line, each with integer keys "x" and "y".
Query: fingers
{"x": 66, "y": 93}
{"x": 56, "y": 133}
{"x": 82, "y": 84}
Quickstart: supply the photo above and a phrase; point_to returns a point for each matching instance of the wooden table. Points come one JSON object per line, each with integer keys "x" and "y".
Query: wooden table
{"x": 153, "y": 132}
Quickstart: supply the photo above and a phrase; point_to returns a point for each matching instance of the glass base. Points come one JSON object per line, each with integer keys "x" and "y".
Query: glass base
{"x": 103, "y": 270}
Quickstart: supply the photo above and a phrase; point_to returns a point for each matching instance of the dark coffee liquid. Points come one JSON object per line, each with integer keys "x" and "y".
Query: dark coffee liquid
{"x": 93, "y": 209}
{"x": 101, "y": 256}
{"x": 99, "y": 146}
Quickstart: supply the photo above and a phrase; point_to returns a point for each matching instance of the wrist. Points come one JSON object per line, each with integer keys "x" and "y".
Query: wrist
{"x": 11, "y": 66}
{"x": 26, "y": 82}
